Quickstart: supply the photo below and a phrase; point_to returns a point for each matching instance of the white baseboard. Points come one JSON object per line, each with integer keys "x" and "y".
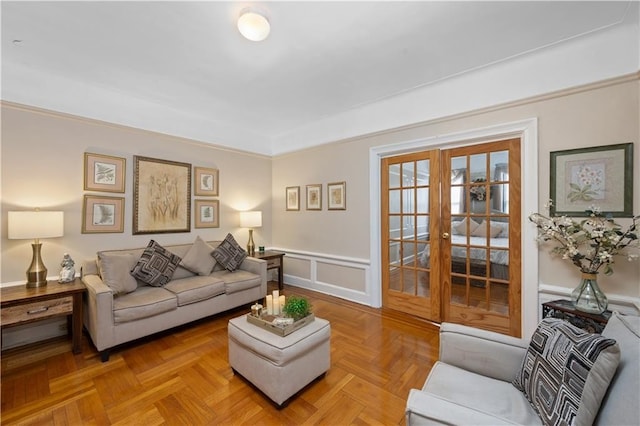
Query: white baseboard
{"x": 330, "y": 289}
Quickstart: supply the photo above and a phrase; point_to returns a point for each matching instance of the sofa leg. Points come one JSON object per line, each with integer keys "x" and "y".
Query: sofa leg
{"x": 104, "y": 356}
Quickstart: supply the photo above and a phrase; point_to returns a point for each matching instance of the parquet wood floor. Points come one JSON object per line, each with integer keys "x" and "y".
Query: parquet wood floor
{"x": 182, "y": 377}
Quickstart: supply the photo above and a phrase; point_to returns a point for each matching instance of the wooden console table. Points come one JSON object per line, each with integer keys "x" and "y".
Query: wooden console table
{"x": 564, "y": 309}
{"x": 274, "y": 261}
{"x": 22, "y": 305}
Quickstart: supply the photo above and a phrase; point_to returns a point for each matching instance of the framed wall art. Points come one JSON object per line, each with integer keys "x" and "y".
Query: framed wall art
{"x": 314, "y": 197}
{"x": 293, "y": 197}
{"x": 101, "y": 214}
{"x": 207, "y": 213}
{"x": 205, "y": 182}
{"x": 161, "y": 196}
{"x": 600, "y": 176}
{"x": 104, "y": 173}
{"x": 337, "y": 196}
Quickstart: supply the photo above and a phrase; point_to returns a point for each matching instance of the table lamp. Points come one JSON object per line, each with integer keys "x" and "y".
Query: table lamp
{"x": 26, "y": 225}
{"x": 252, "y": 219}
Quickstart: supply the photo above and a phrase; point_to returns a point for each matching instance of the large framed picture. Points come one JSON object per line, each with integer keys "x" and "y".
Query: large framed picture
{"x": 314, "y": 197}
{"x": 337, "y": 196}
{"x": 600, "y": 176}
{"x": 207, "y": 213}
{"x": 104, "y": 173}
{"x": 101, "y": 214}
{"x": 161, "y": 196}
{"x": 205, "y": 182}
{"x": 293, "y": 197}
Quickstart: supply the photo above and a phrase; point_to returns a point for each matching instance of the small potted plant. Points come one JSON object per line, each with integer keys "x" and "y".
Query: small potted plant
{"x": 297, "y": 307}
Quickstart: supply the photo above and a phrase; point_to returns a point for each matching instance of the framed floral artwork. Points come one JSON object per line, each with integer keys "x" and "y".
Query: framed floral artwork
{"x": 104, "y": 173}
{"x": 102, "y": 214}
{"x": 314, "y": 197}
{"x": 586, "y": 177}
{"x": 207, "y": 213}
{"x": 337, "y": 196}
{"x": 205, "y": 182}
{"x": 293, "y": 198}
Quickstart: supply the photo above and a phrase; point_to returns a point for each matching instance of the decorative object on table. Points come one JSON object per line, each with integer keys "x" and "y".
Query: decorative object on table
{"x": 478, "y": 195}
{"x": 256, "y": 310}
{"x": 68, "y": 272}
{"x": 314, "y": 197}
{"x": 602, "y": 175}
{"x": 104, "y": 173}
{"x": 292, "y": 197}
{"x": 207, "y": 213}
{"x": 161, "y": 196}
{"x": 26, "y": 225}
{"x": 206, "y": 182}
{"x": 337, "y": 196}
{"x": 590, "y": 245}
{"x": 297, "y": 307}
{"x": 252, "y": 219}
{"x": 261, "y": 249}
{"x": 102, "y": 214}
{"x": 281, "y": 326}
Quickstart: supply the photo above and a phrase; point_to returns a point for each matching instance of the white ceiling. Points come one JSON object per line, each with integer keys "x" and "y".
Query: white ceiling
{"x": 182, "y": 68}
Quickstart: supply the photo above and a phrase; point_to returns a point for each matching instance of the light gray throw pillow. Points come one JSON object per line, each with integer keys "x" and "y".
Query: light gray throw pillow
{"x": 198, "y": 258}
{"x": 114, "y": 269}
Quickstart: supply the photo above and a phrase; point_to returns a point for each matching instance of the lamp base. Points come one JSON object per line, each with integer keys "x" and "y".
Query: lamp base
{"x": 251, "y": 247}
{"x": 37, "y": 272}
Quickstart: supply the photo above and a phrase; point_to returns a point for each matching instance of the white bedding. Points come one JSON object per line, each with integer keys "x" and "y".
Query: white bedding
{"x": 497, "y": 253}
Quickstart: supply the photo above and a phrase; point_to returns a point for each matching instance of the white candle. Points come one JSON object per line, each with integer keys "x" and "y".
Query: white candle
{"x": 276, "y": 302}
{"x": 281, "y": 300}
{"x": 269, "y": 304}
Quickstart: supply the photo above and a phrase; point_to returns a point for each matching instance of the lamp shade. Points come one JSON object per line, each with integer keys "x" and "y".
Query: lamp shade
{"x": 253, "y": 25}
{"x": 25, "y": 225}
{"x": 251, "y": 219}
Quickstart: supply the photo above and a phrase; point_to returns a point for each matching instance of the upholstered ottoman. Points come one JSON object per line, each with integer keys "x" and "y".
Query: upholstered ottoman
{"x": 279, "y": 366}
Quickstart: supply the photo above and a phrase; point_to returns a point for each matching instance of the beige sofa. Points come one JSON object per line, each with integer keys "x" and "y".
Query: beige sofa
{"x": 114, "y": 315}
{"x": 471, "y": 382}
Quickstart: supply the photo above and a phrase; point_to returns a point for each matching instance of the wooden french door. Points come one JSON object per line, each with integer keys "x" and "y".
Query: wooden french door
{"x": 451, "y": 235}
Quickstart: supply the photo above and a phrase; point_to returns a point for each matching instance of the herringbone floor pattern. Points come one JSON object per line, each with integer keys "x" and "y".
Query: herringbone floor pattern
{"x": 182, "y": 377}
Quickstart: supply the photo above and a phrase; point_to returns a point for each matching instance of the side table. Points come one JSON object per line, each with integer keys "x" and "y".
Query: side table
{"x": 564, "y": 309}
{"x": 274, "y": 261}
{"x": 22, "y": 305}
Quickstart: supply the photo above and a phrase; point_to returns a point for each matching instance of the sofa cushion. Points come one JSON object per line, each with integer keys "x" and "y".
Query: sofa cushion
{"x": 198, "y": 258}
{"x": 156, "y": 265}
{"x": 564, "y": 369}
{"x": 195, "y": 289}
{"x": 144, "y": 302}
{"x": 238, "y": 280}
{"x": 115, "y": 271}
{"x": 229, "y": 254}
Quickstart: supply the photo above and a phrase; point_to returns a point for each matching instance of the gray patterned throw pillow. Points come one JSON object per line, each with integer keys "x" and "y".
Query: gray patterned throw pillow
{"x": 566, "y": 372}
{"x": 156, "y": 265}
{"x": 229, "y": 254}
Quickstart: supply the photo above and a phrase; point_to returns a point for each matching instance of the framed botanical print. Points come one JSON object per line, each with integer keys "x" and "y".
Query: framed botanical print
{"x": 293, "y": 197}
{"x": 104, "y": 173}
{"x": 161, "y": 196}
{"x": 337, "y": 196}
{"x": 101, "y": 214}
{"x": 314, "y": 197}
{"x": 600, "y": 176}
{"x": 206, "y": 182}
{"x": 207, "y": 213}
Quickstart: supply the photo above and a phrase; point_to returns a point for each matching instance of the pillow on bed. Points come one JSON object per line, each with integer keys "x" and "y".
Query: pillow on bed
{"x": 460, "y": 228}
{"x": 481, "y": 230}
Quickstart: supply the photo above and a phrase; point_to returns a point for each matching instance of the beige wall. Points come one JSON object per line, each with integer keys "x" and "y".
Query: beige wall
{"x": 603, "y": 114}
{"x": 42, "y": 166}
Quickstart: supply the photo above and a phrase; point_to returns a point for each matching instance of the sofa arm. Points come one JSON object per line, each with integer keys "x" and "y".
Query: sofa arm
{"x": 484, "y": 352}
{"x": 256, "y": 266}
{"x": 98, "y": 312}
{"x": 427, "y": 409}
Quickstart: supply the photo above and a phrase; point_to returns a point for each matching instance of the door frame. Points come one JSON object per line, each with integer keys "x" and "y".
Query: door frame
{"x": 527, "y": 131}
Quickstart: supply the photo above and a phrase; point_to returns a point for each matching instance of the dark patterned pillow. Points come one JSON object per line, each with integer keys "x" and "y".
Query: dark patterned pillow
{"x": 156, "y": 265}
{"x": 229, "y": 254}
{"x": 566, "y": 372}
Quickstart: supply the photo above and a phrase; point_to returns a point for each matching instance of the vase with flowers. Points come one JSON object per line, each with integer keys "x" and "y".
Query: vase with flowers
{"x": 478, "y": 194}
{"x": 591, "y": 245}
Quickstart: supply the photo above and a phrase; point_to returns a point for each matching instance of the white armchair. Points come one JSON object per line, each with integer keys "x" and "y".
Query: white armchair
{"x": 471, "y": 381}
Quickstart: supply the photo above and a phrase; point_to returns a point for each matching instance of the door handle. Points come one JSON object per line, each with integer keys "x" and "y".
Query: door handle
{"x": 445, "y": 235}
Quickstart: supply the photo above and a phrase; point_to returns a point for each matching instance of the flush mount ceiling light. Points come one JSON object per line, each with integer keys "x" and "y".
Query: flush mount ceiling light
{"x": 253, "y": 24}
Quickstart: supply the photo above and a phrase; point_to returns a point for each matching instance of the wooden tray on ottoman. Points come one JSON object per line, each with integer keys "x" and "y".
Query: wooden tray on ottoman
{"x": 281, "y": 330}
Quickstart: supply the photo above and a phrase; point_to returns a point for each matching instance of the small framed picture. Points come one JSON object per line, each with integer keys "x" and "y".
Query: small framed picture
{"x": 314, "y": 197}
{"x": 102, "y": 214}
{"x": 104, "y": 173}
{"x": 207, "y": 213}
{"x": 206, "y": 182}
{"x": 293, "y": 198}
{"x": 600, "y": 176}
{"x": 337, "y": 195}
